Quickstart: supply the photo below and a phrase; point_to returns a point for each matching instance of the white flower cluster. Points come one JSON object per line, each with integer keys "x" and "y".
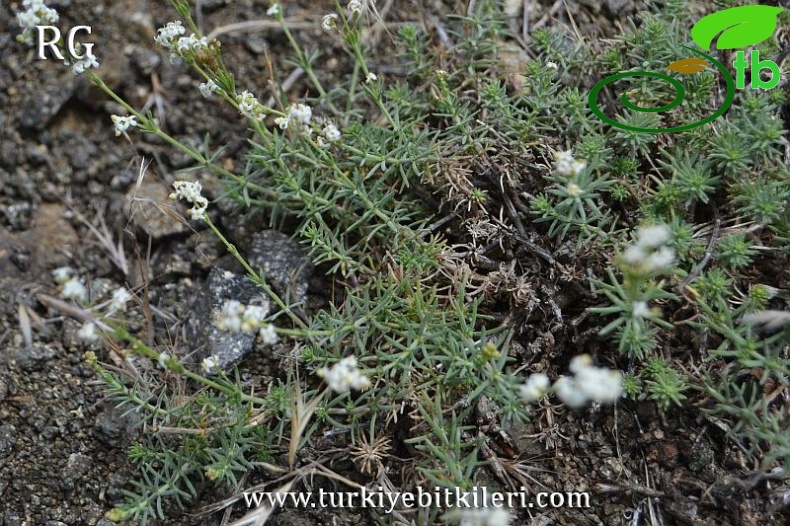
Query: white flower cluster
{"x": 208, "y": 89}
{"x": 344, "y": 376}
{"x": 535, "y": 388}
{"x": 209, "y": 364}
{"x": 171, "y": 37}
{"x": 274, "y": 10}
{"x": 71, "y": 286}
{"x": 330, "y": 134}
{"x": 329, "y": 22}
{"x": 119, "y": 299}
{"x": 249, "y": 105}
{"x": 355, "y": 6}
{"x": 565, "y": 164}
{"x": 35, "y": 14}
{"x": 123, "y": 123}
{"x": 371, "y": 77}
{"x": 650, "y": 253}
{"x": 191, "y": 192}
{"x": 87, "y": 62}
{"x": 589, "y": 383}
{"x": 191, "y": 44}
{"x": 236, "y": 317}
{"x": 299, "y": 115}
{"x": 166, "y": 35}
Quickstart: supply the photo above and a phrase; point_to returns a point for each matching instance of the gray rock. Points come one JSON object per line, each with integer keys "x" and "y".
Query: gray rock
{"x": 283, "y": 263}
{"x": 38, "y": 110}
{"x": 203, "y": 332}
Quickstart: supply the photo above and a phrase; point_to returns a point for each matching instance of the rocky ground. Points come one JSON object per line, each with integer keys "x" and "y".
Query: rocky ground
{"x": 63, "y": 175}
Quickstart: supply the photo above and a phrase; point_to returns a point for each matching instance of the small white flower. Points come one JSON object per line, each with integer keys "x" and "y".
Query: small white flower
{"x": 253, "y": 316}
{"x": 600, "y": 384}
{"x": 163, "y": 358}
{"x": 274, "y": 10}
{"x": 569, "y": 393}
{"x": 282, "y": 122}
{"x": 649, "y": 252}
{"x": 88, "y": 333}
{"x": 551, "y": 65}
{"x": 579, "y": 363}
{"x": 577, "y": 167}
{"x": 62, "y": 274}
{"x": 329, "y": 22}
{"x": 269, "y": 335}
{"x": 230, "y": 316}
{"x": 589, "y": 383}
{"x": 331, "y": 132}
{"x": 119, "y": 299}
{"x": 166, "y": 35}
{"x": 89, "y": 61}
{"x": 355, "y": 6}
{"x": 191, "y": 44}
{"x": 209, "y": 364}
{"x": 653, "y": 236}
{"x": 300, "y": 113}
{"x": 123, "y": 123}
{"x": 75, "y": 290}
{"x": 563, "y": 162}
{"x": 660, "y": 259}
{"x": 639, "y": 309}
{"x": 344, "y": 375}
{"x": 191, "y": 192}
{"x": 634, "y": 255}
{"x": 36, "y": 14}
{"x": 535, "y": 388}
{"x": 249, "y": 105}
{"x": 208, "y": 89}
{"x": 372, "y": 77}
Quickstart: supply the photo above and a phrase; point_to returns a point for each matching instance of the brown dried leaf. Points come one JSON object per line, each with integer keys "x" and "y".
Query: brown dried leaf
{"x": 687, "y": 66}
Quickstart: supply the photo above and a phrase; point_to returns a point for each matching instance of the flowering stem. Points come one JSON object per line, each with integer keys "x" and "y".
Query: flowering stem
{"x": 151, "y": 127}
{"x": 254, "y": 275}
{"x": 141, "y": 348}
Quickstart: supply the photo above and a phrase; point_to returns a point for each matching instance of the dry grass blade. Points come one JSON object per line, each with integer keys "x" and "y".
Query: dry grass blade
{"x": 115, "y": 251}
{"x": 24, "y": 325}
{"x": 302, "y": 414}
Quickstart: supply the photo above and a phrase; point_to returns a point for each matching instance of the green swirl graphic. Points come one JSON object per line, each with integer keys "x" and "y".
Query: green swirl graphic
{"x": 680, "y": 93}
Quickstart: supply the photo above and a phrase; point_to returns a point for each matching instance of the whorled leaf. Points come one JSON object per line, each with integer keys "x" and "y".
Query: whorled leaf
{"x": 688, "y": 66}
{"x": 741, "y": 26}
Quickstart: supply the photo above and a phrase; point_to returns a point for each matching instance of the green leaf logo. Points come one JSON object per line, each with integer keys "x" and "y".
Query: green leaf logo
{"x": 741, "y": 26}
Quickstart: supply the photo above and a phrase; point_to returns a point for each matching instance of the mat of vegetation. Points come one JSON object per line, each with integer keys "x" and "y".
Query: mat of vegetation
{"x": 259, "y": 248}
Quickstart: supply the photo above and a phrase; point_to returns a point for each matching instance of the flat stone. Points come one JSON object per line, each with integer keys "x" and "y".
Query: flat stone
{"x": 202, "y": 331}
{"x": 151, "y": 210}
{"x": 283, "y": 263}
